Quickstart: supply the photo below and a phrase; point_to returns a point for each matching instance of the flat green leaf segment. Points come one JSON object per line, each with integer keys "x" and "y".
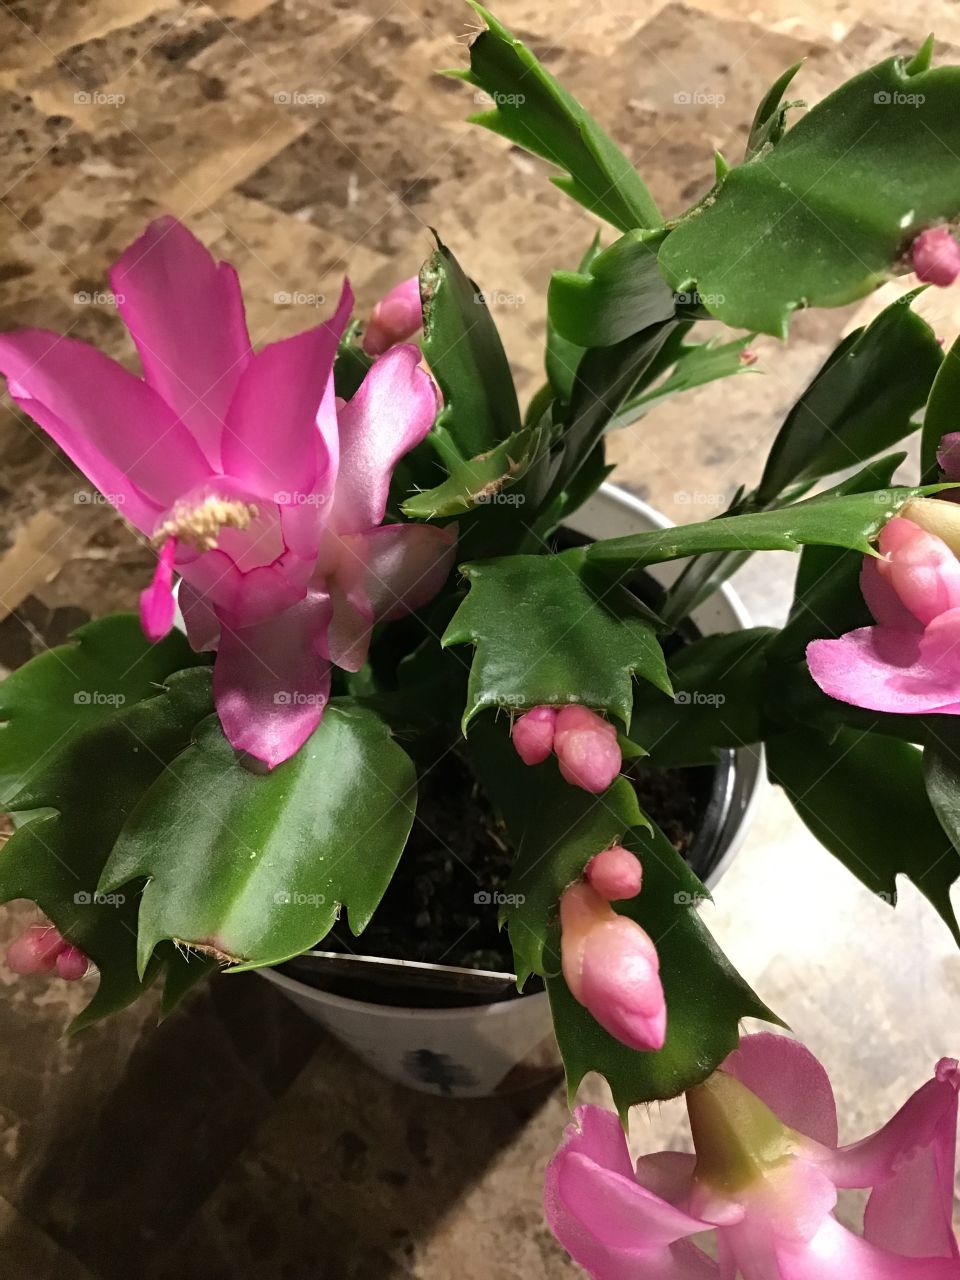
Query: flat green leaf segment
{"x": 862, "y": 796}
{"x": 848, "y": 520}
{"x": 529, "y": 108}
{"x": 719, "y": 685}
{"x": 544, "y": 634}
{"x": 254, "y": 867}
{"x": 822, "y": 217}
{"x": 555, "y": 830}
{"x": 478, "y": 434}
{"x": 687, "y": 365}
{"x": 619, "y": 292}
{"x": 52, "y": 699}
{"x": 85, "y": 791}
{"x": 941, "y": 417}
{"x": 861, "y": 402}
{"x": 482, "y": 480}
{"x": 706, "y": 997}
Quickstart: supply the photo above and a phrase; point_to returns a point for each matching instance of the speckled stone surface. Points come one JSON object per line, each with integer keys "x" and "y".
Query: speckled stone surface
{"x": 303, "y": 139}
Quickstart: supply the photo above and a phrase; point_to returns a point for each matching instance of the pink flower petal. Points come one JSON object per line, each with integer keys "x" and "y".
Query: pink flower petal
{"x": 607, "y": 1221}
{"x": 837, "y": 1254}
{"x": 351, "y": 625}
{"x": 936, "y": 257}
{"x": 270, "y": 683}
{"x": 157, "y": 604}
{"x": 199, "y": 618}
{"x": 391, "y": 412}
{"x": 786, "y": 1076}
{"x": 909, "y": 1162}
{"x": 883, "y": 669}
{"x": 882, "y": 600}
{"x": 116, "y": 429}
{"x": 920, "y": 567}
{"x": 398, "y": 567}
{"x": 271, "y": 443}
{"x": 396, "y": 317}
{"x": 184, "y": 311}
{"x": 532, "y": 734}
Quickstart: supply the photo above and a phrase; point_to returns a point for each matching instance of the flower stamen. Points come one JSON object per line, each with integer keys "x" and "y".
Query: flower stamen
{"x": 200, "y": 524}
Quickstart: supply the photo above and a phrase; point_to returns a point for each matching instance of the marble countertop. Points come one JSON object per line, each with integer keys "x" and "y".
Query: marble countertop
{"x": 237, "y": 1140}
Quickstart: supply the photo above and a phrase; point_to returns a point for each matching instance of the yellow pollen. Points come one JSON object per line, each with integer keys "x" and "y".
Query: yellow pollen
{"x": 200, "y": 526}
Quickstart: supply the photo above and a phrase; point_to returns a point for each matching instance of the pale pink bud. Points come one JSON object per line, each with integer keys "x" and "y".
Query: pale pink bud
{"x": 920, "y": 567}
{"x": 72, "y": 964}
{"x": 587, "y": 748}
{"x": 936, "y": 257}
{"x": 35, "y": 950}
{"x": 615, "y": 873}
{"x": 748, "y": 357}
{"x": 612, "y": 968}
{"x": 395, "y": 318}
{"x": 533, "y": 734}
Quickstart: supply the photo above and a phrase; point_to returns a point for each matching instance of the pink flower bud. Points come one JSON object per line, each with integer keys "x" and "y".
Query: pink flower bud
{"x": 615, "y": 873}
{"x": 35, "y": 950}
{"x": 948, "y": 456}
{"x": 612, "y": 968}
{"x": 936, "y": 257}
{"x": 587, "y": 748}
{"x": 72, "y": 964}
{"x": 395, "y": 318}
{"x": 920, "y": 567}
{"x": 533, "y": 734}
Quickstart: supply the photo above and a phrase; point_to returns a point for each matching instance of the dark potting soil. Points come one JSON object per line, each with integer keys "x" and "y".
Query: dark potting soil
{"x": 442, "y": 904}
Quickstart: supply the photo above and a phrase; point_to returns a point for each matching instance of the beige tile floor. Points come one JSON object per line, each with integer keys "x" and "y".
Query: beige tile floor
{"x": 236, "y": 1141}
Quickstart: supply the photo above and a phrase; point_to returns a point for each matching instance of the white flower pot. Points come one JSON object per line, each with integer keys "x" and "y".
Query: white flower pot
{"x": 492, "y": 1048}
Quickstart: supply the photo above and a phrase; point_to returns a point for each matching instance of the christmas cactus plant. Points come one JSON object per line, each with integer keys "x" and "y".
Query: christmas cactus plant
{"x": 361, "y": 570}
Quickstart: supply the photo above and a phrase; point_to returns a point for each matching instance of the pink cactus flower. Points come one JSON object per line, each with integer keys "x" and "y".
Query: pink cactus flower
{"x": 936, "y": 257}
{"x": 910, "y": 661}
{"x": 533, "y": 734}
{"x": 612, "y": 968}
{"x": 765, "y": 1179}
{"x": 948, "y": 456}
{"x": 615, "y": 874}
{"x": 41, "y": 948}
{"x": 587, "y": 748}
{"x": 263, "y": 492}
{"x": 396, "y": 317}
